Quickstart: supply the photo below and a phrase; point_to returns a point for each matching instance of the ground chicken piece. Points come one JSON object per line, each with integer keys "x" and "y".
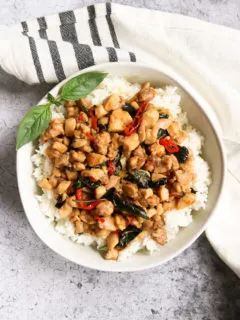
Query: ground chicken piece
{"x": 164, "y": 123}
{"x": 100, "y": 111}
{"x": 130, "y": 143}
{"x": 45, "y": 184}
{"x": 163, "y": 193}
{"x": 147, "y": 225}
{"x": 94, "y": 173}
{"x": 184, "y": 177}
{"x": 53, "y": 181}
{"x": 78, "y": 166}
{"x": 94, "y": 159}
{"x": 176, "y": 133}
{"x": 152, "y": 163}
{"x": 165, "y": 164}
{"x": 103, "y": 121}
{"x": 120, "y": 222}
{"x": 170, "y": 205}
{"x": 78, "y": 227}
{"x": 100, "y": 191}
{"x": 130, "y": 189}
{"x": 70, "y": 125}
{"x": 102, "y": 233}
{"x": 175, "y": 164}
{"x": 105, "y": 208}
{"x": 151, "y": 212}
{"x": 79, "y": 143}
{"x": 113, "y": 147}
{"x": 63, "y": 186}
{"x": 77, "y": 156}
{"x": 72, "y": 202}
{"x": 111, "y": 254}
{"x": 157, "y": 176}
{"x": 136, "y": 162}
{"x": 150, "y": 118}
{"x": 65, "y": 210}
{"x": 153, "y": 201}
{"x": 51, "y": 153}
{"x": 63, "y": 160}
{"x": 146, "y": 94}
{"x": 187, "y": 200}
{"x": 156, "y": 149}
{"x": 145, "y": 193}
{"x": 119, "y": 120}
{"x": 101, "y": 142}
{"x": 59, "y": 147}
{"x": 113, "y": 102}
{"x": 113, "y": 182}
{"x": 71, "y": 175}
{"x": 107, "y": 223}
{"x": 160, "y": 236}
{"x": 139, "y": 158}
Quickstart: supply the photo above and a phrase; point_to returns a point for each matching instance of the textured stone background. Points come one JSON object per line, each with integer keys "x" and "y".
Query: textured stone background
{"x": 35, "y": 283}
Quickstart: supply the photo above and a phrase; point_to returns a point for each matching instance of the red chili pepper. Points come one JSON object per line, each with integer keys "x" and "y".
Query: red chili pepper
{"x": 111, "y": 167}
{"x": 100, "y": 219}
{"x": 169, "y": 145}
{"x": 45, "y": 140}
{"x": 90, "y": 137}
{"x": 78, "y": 194}
{"x": 133, "y": 125}
{"x": 93, "y": 117}
{"x": 82, "y": 205}
{"x": 90, "y": 206}
{"x": 80, "y": 117}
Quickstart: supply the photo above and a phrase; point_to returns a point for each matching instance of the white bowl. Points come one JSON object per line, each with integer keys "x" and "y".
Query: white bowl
{"x": 197, "y": 110}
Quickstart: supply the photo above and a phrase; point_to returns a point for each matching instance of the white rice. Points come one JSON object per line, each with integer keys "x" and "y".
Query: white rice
{"x": 175, "y": 219}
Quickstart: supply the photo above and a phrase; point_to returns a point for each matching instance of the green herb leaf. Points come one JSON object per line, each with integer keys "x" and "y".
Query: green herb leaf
{"x": 53, "y": 100}
{"x": 162, "y": 133}
{"x": 127, "y": 235}
{"x": 125, "y": 205}
{"x": 163, "y": 116}
{"x": 87, "y": 182}
{"x": 82, "y": 85}
{"x": 33, "y": 124}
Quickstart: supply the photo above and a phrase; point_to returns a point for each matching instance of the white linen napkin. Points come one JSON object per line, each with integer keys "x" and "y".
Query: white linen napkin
{"x": 48, "y": 49}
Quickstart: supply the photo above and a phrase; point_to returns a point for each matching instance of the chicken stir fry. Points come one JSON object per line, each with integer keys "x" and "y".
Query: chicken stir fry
{"x": 118, "y": 168}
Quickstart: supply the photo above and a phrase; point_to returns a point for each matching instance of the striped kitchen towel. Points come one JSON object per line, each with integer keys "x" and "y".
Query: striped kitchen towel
{"x": 49, "y": 49}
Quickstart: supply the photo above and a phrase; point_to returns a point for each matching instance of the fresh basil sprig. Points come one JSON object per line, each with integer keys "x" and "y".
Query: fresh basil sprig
{"x": 33, "y": 124}
{"x": 82, "y": 85}
{"x": 38, "y": 118}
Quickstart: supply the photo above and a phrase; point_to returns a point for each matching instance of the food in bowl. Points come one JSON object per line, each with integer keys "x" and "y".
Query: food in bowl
{"x": 121, "y": 169}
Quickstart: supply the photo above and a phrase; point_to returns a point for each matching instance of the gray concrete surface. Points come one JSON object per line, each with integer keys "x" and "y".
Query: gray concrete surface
{"x": 35, "y": 283}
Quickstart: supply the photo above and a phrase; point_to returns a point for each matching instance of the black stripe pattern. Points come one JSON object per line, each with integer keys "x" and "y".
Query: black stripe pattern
{"x": 111, "y": 26}
{"x": 84, "y": 53}
{"x": 93, "y": 26}
{"x": 56, "y": 59}
{"x": 35, "y": 57}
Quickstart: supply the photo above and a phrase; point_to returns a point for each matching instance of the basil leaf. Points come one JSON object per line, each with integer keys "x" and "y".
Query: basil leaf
{"x": 162, "y": 133}
{"x": 33, "y": 124}
{"x": 82, "y": 85}
{"x": 127, "y": 235}
{"x": 51, "y": 99}
{"x": 125, "y": 205}
{"x": 87, "y": 182}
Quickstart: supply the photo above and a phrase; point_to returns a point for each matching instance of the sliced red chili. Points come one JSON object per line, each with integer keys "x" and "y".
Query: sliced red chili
{"x": 169, "y": 145}
{"x": 78, "y": 194}
{"x": 91, "y": 113}
{"x": 100, "y": 219}
{"x": 130, "y": 219}
{"x": 90, "y": 137}
{"x": 80, "y": 117}
{"x": 111, "y": 167}
{"x": 133, "y": 125}
{"x": 45, "y": 140}
{"x": 90, "y": 206}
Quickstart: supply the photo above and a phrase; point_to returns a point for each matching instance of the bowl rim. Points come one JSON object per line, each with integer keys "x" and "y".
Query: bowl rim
{"x": 201, "y": 103}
